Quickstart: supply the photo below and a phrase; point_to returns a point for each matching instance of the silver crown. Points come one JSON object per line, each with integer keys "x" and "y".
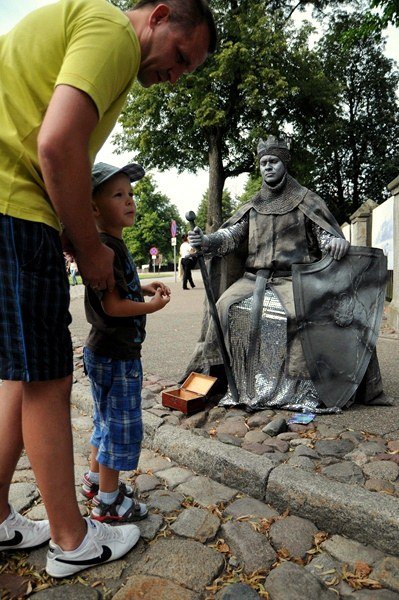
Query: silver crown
{"x": 273, "y": 143}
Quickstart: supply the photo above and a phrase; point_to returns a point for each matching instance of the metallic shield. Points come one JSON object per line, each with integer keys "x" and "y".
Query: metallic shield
{"x": 338, "y": 307}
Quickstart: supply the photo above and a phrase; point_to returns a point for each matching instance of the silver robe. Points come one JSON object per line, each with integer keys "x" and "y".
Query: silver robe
{"x": 271, "y": 232}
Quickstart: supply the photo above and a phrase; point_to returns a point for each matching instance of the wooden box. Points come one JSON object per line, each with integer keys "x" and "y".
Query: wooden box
{"x": 191, "y": 396}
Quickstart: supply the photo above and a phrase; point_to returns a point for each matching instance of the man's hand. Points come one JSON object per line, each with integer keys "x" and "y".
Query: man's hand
{"x": 197, "y": 239}
{"x": 338, "y": 247}
{"x": 96, "y": 268}
{"x": 151, "y": 288}
{"x": 159, "y": 300}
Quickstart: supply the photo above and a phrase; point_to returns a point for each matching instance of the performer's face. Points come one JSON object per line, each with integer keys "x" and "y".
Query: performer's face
{"x": 272, "y": 169}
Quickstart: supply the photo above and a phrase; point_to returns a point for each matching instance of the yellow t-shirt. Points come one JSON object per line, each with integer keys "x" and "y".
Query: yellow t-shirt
{"x": 87, "y": 44}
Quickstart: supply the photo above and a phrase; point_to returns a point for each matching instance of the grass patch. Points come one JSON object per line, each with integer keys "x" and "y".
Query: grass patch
{"x": 141, "y": 276}
{"x": 156, "y": 275}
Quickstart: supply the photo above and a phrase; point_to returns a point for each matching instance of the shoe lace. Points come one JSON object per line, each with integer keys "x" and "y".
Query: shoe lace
{"x": 106, "y": 532}
{"x": 18, "y": 519}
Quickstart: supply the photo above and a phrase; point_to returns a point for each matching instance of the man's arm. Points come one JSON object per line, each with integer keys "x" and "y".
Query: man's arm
{"x": 63, "y": 148}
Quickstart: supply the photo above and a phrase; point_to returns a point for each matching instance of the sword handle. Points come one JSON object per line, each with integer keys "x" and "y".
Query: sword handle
{"x": 190, "y": 217}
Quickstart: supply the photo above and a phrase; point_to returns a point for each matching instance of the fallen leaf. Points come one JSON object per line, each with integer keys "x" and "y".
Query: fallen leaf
{"x": 362, "y": 569}
{"x": 224, "y": 548}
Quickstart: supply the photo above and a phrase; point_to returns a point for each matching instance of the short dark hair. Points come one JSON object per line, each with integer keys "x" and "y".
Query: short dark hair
{"x": 189, "y": 13}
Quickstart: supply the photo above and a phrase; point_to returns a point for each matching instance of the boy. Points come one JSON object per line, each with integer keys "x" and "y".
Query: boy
{"x": 112, "y": 351}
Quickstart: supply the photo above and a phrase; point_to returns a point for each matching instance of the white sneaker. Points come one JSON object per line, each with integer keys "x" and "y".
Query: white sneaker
{"x": 19, "y": 532}
{"x": 103, "y": 544}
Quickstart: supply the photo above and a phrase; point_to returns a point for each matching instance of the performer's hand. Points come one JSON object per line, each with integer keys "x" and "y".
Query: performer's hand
{"x": 338, "y": 247}
{"x": 197, "y": 239}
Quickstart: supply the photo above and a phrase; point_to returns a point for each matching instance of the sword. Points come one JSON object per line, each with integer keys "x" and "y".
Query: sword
{"x": 190, "y": 216}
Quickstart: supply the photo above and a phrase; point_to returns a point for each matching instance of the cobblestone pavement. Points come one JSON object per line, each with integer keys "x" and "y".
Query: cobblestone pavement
{"x": 241, "y": 507}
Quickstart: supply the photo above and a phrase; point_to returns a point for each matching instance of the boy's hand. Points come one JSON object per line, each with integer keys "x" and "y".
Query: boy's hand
{"x": 97, "y": 268}
{"x": 159, "y": 300}
{"x": 338, "y": 247}
{"x": 151, "y": 288}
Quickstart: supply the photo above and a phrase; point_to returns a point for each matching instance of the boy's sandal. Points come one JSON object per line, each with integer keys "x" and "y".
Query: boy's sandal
{"x": 136, "y": 512}
{"x": 90, "y": 489}
{"x": 108, "y": 513}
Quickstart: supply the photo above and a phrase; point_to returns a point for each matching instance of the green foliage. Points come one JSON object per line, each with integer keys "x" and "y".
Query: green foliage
{"x": 246, "y": 90}
{"x": 123, "y": 4}
{"x": 389, "y": 11}
{"x": 355, "y": 149}
{"x": 236, "y": 88}
{"x": 338, "y": 99}
{"x": 152, "y": 224}
{"x": 252, "y": 187}
{"x": 228, "y": 208}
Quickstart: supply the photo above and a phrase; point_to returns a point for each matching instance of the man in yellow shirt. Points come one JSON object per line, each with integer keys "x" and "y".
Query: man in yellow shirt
{"x": 65, "y": 72}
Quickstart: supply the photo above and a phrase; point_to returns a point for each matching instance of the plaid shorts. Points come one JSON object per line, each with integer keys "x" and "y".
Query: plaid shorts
{"x": 35, "y": 343}
{"x": 118, "y": 427}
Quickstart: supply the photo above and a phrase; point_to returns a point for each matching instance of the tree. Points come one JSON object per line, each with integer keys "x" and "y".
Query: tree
{"x": 213, "y": 117}
{"x": 388, "y": 13}
{"x": 318, "y": 6}
{"x": 228, "y": 207}
{"x": 251, "y": 188}
{"x": 154, "y": 214}
{"x": 355, "y": 149}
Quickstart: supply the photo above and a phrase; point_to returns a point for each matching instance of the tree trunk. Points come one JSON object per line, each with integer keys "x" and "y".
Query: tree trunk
{"x": 216, "y": 182}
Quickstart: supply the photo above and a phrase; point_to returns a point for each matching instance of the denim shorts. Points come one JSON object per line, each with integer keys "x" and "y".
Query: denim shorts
{"x": 118, "y": 427}
{"x": 35, "y": 343}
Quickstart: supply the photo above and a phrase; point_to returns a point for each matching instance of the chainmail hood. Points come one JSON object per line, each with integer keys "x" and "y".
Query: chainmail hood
{"x": 280, "y": 199}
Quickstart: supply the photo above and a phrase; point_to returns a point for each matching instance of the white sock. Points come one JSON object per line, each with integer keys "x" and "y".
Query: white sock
{"x": 108, "y": 497}
{"x": 126, "y": 504}
{"x": 94, "y": 477}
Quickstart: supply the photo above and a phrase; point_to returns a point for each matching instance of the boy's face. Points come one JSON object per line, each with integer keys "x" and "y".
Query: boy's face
{"x": 114, "y": 207}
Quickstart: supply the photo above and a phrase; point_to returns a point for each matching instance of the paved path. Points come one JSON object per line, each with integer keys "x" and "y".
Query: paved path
{"x": 241, "y": 506}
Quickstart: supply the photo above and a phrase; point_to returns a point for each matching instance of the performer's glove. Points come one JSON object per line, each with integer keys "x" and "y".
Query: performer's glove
{"x": 338, "y": 247}
{"x": 197, "y": 238}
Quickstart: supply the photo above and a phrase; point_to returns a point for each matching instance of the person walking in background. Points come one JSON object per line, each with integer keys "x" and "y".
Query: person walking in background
{"x": 188, "y": 261}
{"x": 112, "y": 352}
{"x": 65, "y": 72}
{"x": 73, "y": 270}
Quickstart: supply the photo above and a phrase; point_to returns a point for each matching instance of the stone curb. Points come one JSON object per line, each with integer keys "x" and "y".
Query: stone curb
{"x": 336, "y": 507}
{"x": 229, "y": 465}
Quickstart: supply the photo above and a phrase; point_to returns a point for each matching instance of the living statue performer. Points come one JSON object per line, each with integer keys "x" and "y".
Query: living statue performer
{"x": 252, "y": 257}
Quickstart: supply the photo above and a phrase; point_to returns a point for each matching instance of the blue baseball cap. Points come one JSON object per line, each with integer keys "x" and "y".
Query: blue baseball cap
{"x": 102, "y": 172}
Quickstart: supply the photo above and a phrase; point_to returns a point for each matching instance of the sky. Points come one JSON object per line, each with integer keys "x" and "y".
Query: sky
{"x": 184, "y": 190}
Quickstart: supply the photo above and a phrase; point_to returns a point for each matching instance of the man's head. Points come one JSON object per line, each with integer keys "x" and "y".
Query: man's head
{"x": 113, "y": 204}
{"x": 175, "y": 38}
{"x": 274, "y": 157}
{"x": 272, "y": 169}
